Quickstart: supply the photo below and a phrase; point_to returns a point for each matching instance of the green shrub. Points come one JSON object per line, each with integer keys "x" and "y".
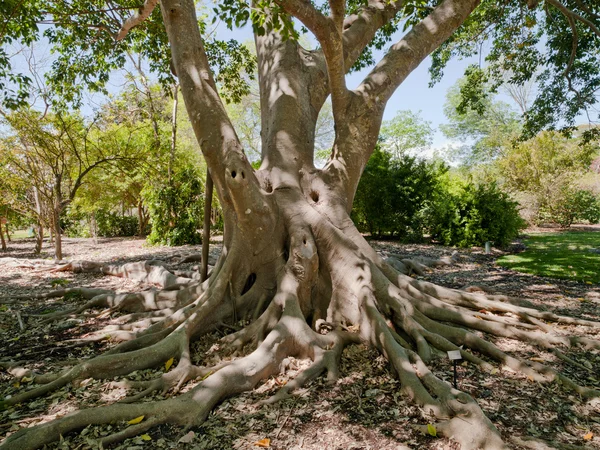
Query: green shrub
{"x": 176, "y": 210}
{"x": 392, "y": 192}
{"x": 472, "y": 215}
{"x": 111, "y": 224}
{"x": 569, "y": 206}
{"x": 73, "y": 224}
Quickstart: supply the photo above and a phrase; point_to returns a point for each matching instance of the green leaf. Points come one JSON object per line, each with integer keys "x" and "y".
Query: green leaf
{"x": 431, "y": 430}
{"x": 136, "y": 420}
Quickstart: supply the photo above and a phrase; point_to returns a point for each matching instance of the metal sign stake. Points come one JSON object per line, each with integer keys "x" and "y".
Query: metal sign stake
{"x": 454, "y": 356}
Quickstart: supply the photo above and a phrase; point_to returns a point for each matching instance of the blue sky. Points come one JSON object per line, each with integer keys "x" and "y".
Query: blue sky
{"x": 414, "y": 94}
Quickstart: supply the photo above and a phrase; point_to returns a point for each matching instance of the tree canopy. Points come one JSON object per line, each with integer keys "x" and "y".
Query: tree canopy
{"x": 295, "y": 273}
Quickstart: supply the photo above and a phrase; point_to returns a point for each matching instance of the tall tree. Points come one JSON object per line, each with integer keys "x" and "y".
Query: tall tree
{"x": 53, "y": 155}
{"x": 485, "y": 129}
{"x": 406, "y": 132}
{"x": 290, "y": 250}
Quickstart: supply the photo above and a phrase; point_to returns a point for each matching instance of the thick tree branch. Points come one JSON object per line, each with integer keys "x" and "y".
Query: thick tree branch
{"x": 328, "y": 31}
{"x": 356, "y": 137}
{"x": 568, "y": 13}
{"x": 142, "y": 14}
{"x": 587, "y": 9}
{"x": 414, "y": 47}
{"x": 359, "y": 29}
{"x": 230, "y": 170}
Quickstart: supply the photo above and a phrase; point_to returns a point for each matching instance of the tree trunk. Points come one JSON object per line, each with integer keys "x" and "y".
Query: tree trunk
{"x": 57, "y": 235}
{"x": 142, "y": 219}
{"x": 294, "y": 264}
{"x": 173, "y": 132}
{"x": 39, "y": 233}
{"x": 39, "y": 237}
{"x": 208, "y": 193}
{"x": 4, "y": 248}
{"x": 7, "y": 232}
{"x": 94, "y": 227}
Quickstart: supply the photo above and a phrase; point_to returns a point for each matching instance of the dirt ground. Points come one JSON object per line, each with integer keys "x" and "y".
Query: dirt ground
{"x": 363, "y": 410}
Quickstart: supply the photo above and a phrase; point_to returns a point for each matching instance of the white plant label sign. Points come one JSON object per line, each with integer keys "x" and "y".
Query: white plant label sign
{"x": 454, "y": 354}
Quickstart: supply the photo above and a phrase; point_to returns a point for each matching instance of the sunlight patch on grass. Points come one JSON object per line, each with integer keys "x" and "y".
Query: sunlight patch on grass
{"x": 19, "y": 234}
{"x": 567, "y": 255}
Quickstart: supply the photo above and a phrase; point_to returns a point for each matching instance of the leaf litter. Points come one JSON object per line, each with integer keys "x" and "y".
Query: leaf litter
{"x": 364, "y": 409}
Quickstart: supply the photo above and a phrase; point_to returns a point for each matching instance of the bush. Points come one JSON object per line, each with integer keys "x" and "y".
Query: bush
{"x": 569, "y": 206}
{"x": 392, "y": 192}
{"x": 108, "y": 224}
{"x": 73, "y": 224}
{"x": 111, "y": 224}
{"x": 472, "y": 215}
{"x": 176, "y": 210}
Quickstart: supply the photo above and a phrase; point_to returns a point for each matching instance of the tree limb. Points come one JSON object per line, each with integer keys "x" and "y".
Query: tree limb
{"x": 569, "y": 13}
{"x": 328, "y": 31}
{"x": 142, "y": 14}
{"x": 359, "y": 29}
{"x": 414, "y": 47}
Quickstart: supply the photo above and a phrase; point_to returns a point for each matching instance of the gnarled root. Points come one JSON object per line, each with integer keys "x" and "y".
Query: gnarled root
{"x": 329, "y": 292}
{"x": 150, "y": 271}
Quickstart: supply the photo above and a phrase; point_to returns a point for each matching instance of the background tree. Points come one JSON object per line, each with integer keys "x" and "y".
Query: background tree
{"x": 396, "y": 185}
{"x": 485, "y": 129}
{"x": 53, "y": 155}
{"x": 407, "y": 131}
{"x": 290, "y": 251}
{"x": 545, "y": 171}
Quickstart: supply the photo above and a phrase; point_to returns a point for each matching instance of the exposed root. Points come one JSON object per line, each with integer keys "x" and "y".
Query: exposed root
{"x": 87, "y": 293}
{"x": 320, "y": 303}
{"x": 134, "y": 302}
{"x": 150, "y": 271}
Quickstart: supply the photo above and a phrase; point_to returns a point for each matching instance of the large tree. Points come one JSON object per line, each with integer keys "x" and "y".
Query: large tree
{"x": 292, "y": 259}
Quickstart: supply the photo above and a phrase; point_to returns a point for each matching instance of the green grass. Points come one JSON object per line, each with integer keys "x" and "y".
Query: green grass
{"x": 19, "y": 234}
{"x": 559, "y": 255}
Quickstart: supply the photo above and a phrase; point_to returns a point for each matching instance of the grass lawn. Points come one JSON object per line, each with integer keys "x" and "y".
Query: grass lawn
{"x": 19, "y": 234}
{"x": 561, "y": 255}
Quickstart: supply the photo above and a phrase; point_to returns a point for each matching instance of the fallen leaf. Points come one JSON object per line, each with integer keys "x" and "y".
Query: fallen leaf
{"x": 146, "y": 437}
{"x": 207, "y": 375}
{"x": 136, "y": 420}
{"x": 263, "y": 443}
{"x": 538, "y": 360}
{"x": 168, "y": 364}
{"x": 431, "y": 430}
{"x": 187, "y": 438}
{"x": 588, "y": 436}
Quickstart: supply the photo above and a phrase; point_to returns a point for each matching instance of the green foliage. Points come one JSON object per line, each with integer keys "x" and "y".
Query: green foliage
{"x": 176, "y": 210}
{"x": 407, "y": 131}
{"x": 392, "y": 192}
{"x": 464, "y": 214}
{"x": 111, "y": 224}
{"x": 538, "y": 42}
{"x": 86, "y": 53}
{"x": 474, "y": 94}
{"x": 104, "y": 222}
{"x": 547, "y": 169}
{"x": 570, "y": 206}
{"x": 485, "y": 126}
{"x": 571, "y": 255}
{"x": 73, "y": 224}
